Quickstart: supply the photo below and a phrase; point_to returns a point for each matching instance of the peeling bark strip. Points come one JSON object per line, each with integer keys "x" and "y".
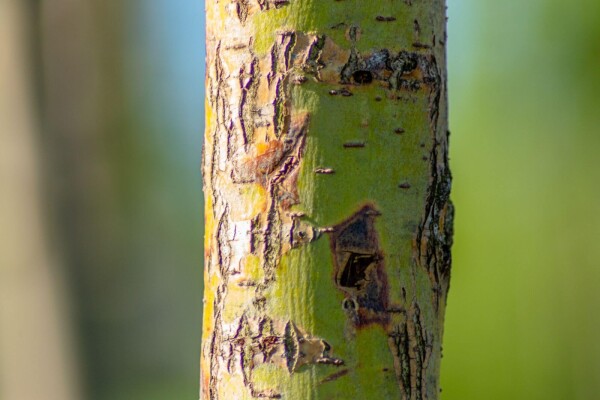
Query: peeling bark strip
{"x": 294, "y": 136}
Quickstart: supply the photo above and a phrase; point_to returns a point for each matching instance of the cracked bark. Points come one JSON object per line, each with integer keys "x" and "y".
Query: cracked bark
{"x": 328, "y": 220}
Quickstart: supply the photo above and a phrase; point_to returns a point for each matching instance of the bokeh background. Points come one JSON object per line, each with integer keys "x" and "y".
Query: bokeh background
{"x": 101, "y": 119}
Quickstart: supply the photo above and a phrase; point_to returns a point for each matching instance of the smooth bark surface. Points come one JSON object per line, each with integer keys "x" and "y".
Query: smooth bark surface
{"x": 328, "y": 222}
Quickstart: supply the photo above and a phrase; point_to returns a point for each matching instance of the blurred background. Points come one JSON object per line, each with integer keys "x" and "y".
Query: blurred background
{"x": 101, "y": 120}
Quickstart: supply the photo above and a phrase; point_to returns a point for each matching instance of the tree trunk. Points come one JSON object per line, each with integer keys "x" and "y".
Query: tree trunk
{"x": 328, "y": 222}
{"x": 37, "y": 358}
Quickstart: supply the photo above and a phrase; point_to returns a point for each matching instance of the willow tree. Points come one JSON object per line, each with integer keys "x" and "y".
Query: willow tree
{"x": 328, "y": 222}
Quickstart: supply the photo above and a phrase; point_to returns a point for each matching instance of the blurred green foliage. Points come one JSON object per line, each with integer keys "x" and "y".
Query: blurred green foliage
{"x": 523, "y": 318}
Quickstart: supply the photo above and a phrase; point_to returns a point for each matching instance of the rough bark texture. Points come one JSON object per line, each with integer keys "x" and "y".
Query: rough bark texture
{"x": 328, "y": 220}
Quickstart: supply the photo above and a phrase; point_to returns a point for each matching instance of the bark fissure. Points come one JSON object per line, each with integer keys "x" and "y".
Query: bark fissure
{"x": 434, "y": 236}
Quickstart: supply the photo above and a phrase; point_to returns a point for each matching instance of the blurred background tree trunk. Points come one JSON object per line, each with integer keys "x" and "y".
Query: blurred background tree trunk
{"x": 82, "y": 102}
{"x": 131, "y": 259}
{"x": 108, "y": 171}
{"x": 36, "y": 338}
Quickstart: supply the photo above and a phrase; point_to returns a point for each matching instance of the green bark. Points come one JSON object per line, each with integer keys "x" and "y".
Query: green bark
{"x": 327, "y": 183}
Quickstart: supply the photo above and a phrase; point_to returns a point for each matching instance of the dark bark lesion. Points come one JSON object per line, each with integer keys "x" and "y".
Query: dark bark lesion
{"x": 359, "y": 269}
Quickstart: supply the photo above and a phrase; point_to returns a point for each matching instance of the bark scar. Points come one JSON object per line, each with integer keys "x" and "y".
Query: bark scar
{"x": 359, "y": 269}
